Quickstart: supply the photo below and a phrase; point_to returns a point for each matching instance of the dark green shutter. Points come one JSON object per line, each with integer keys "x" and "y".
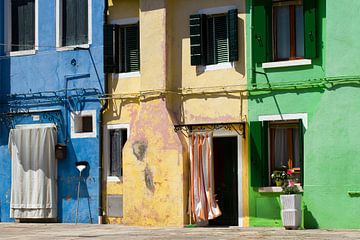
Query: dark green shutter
{"x": 233, "y": 35}
{"x": 109, "y": 51}
{"x": 221, "y": 39}
{"x": 258, "y": 151}
{"x": 132, "y": 48}
{"x": 301, "y": 150}
{"x": 261, "y": 31}
{"x": 197, "y": 39}
{"x": 310, "y": 28}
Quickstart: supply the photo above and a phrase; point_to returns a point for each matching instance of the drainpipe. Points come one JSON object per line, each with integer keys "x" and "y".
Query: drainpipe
{"x": 101, "y": 135}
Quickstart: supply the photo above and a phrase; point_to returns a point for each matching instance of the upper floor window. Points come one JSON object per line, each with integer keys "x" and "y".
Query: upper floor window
{"x": 74, "y": 22}
{"x": 121, "y": 48}
{"x": 22, "y": 25}
{"x": 283, "y": 30}
{"x": 214, "y": 38}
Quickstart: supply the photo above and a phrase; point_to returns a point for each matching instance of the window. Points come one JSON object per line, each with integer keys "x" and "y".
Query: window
{"x": 74, "y": 22}
{"x": 275, "y": 145}
{"x": 22, "y": 29}
{"x": 118, "y": 139}
{"x": 83, "y": 124}
{"x": 214, "y": 38}
{"x": 121, "y": 48}
{"x": 284, "y": 147}
{"x": 283, "y": 30}
{"x": 115, "y": 137}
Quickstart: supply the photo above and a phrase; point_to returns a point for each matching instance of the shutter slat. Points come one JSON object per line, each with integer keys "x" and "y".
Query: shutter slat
{"x": 309, "y": 7}
{"x": 132, "y": 49}
{"x": 261, "y": 31}
{"x": 233, "y": 35}
{"x": 196, "y": 24}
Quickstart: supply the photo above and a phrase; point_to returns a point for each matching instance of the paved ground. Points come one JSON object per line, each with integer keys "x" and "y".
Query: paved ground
{"x": 71, "y": 231}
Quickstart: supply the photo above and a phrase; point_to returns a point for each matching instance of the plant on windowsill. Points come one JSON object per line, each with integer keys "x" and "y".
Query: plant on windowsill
{"x": 290, "y": 202}
{"x": 278, "y": 176}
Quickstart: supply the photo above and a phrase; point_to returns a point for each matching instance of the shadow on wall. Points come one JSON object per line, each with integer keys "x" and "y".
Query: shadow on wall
{"x": 309, "y": 219}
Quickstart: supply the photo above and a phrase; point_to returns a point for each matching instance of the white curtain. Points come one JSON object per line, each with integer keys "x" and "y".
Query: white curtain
{"x": 203, "y": 204}
{"x": 34, "y": 172}
{"x": 281, "y": 147}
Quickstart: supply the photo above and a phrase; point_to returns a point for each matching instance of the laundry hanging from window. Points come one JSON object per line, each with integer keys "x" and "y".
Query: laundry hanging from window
{"x": 203, "y": 203}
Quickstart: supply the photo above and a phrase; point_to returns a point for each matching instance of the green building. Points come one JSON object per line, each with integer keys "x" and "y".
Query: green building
{"x": 304, "y": 108}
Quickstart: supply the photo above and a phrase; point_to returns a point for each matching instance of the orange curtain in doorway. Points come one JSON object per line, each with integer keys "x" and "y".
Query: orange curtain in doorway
{"x": 203, "y": 204}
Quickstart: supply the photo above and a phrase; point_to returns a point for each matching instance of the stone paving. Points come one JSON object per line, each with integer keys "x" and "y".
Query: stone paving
{"x": 82, "y": 231}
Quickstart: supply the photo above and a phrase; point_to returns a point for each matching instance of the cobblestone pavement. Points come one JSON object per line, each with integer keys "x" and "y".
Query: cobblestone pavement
{"x": 81, "y": 231}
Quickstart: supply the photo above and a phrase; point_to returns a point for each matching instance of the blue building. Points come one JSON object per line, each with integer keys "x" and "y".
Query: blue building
{"x": 51, "y": 80}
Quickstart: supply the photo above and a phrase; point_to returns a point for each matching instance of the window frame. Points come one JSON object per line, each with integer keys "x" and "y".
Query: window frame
{"x": 85, "y": 113}
{"x": 8, "y": 30}
{"x": 292, "y": 22}
{"x": 107, "y": 153}
{"x": 59, "y": 22}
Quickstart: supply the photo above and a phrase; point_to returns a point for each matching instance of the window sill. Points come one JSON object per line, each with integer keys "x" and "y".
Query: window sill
{"x": 22, "y": 53}
{"x": 114, "y": 179}
{"x": 214, "y": 67}
{"x": 126, "y": 74}
{"x": 72, "y": 47}
{"x": 290, "y": 63}
{"x": 276, "y": 189}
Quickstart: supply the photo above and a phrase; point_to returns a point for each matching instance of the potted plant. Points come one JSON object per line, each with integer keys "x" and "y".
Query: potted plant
{"x": 290, "y": 202}
{"x": 278, "y": 176}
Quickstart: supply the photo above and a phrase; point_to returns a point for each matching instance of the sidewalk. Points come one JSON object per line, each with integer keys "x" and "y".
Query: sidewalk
{"x": 81, "y": 231}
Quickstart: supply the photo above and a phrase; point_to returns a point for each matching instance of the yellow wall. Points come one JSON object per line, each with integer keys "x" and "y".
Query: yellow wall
{"x": 169, "y": 91}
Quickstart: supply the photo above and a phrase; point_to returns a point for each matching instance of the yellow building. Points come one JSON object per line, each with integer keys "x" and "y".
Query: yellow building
{"x": 174, "y": 68}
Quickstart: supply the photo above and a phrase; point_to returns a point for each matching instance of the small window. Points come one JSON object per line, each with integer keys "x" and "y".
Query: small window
{"x": 288, "y": 30}
{"x": 71, "y": 12}
{"x": 83, "y": 124}
{"x": 121, "y": 48}
{"x": 283, "y": 30}
{"x": 118, "y": 138}
{"x": 284, "y": 144}
{"x": 214, "y": 38}
{"x": 22, "y": 25}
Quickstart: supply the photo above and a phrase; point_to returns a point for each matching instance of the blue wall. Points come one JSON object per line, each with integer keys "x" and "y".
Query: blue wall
{"x": 47, "y": 71}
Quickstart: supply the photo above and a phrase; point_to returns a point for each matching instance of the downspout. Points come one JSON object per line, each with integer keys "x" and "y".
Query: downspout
{"x": 101, "y": 134}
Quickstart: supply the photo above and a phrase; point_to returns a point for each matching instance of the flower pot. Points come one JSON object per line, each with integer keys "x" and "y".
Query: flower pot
{"x": 291, "y": 210}
{"x": 279, "y": 183}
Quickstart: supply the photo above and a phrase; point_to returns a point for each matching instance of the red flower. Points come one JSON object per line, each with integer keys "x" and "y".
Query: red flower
{"x": 290, "y": 171}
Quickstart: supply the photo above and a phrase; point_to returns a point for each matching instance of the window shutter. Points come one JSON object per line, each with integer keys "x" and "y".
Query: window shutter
{"x": 233, "y": 35}
{"x": 109, "y": 50}
{"x": 132, "y": 48}
{"x": 301, "y": 150}
{"x": 258, "y": 150}
{"x": 197, "y": 39}
{"x": 261, "y": 31}
{"x": 221, "y": 39}
{"x": 309, "y": 7}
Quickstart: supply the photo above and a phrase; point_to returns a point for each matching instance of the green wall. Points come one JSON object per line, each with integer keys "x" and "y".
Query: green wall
{"x": 331, "y": 141}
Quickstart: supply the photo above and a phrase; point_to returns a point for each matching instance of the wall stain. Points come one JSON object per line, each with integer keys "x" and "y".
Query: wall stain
{"x": 149, "y": 179}
{"x": 139, "y": 150}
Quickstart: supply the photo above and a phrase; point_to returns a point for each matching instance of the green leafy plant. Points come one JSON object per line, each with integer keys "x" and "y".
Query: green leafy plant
{"x": 289, "y": 186}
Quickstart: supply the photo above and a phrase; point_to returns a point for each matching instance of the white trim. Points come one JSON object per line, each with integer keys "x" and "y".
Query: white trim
{"x": 219, "y": 66}
{"x": 58, "y": 27}
{"x": 225, "y": 133}
{"x": 38, "y": 125}
{"x": 106, "y": 147}
{"x": 72, "y": 47}
{"x": 7, "y": 29}
{"x": 290, "y": 63}
{"x": 270, "y": 189}
{"x": 126, "y": 75}
{"x": 216, "y": 10}
{"x": 83, "y": 114}
{"x": 287, "y": 116}
{"x": 125, "y": 21}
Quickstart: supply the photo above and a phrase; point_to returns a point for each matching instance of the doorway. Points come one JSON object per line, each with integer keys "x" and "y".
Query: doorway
{"x": 226, "y": 180}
